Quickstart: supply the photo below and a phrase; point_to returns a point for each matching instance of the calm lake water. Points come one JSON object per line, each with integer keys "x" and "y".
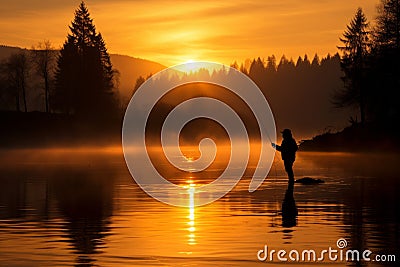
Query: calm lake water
{"x": 80, "y": 207}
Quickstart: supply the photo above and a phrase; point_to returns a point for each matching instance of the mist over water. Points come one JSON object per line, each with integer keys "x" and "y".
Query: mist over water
{"x": 81, "y": 206}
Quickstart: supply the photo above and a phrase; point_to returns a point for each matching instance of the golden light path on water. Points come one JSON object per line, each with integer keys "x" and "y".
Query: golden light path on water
{"x": 191, "y": 216}
{"x": 191, "y": 223}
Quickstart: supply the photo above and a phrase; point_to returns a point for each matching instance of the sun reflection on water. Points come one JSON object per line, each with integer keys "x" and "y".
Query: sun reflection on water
{"x": 191, "y": 223}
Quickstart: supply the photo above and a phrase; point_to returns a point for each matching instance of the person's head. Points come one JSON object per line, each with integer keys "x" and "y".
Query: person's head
{"x": 286, "y": 133}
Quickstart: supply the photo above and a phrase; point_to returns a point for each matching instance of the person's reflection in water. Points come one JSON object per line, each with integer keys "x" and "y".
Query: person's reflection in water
{"x": 289, "y": 209}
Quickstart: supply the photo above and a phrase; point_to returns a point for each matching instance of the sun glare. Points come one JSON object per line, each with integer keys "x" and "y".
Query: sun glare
{"x": 192, "y": 66}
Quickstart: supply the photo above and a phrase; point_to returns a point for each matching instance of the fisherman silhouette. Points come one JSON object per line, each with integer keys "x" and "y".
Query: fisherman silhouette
{"x": 288, "y": 150}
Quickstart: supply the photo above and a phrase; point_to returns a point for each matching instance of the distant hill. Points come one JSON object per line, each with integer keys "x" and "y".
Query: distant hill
{"x": 130, "y": 68}
{"x": 6, "y": 51}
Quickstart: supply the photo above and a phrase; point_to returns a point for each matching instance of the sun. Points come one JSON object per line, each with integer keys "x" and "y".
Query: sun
{"x": 192, "y": 66}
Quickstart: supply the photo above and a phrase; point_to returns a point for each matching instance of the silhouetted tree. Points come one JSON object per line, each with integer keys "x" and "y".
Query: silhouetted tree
{"x": 315, "y": 62}
{"x": 85, "y": 77}
{"x": 270, "y": 70}
{"x": 4, "y": 88}
{"x": 243, "y": 69}
{"x": 355, "y": 49}
{"x": 257, "y": 71}
{"x": 17, "y": 69}
{"x": 139, "y": 82}
{"x": 385, "y": 63}
{"x": 43, "y": 57}
{"x": 235, "y": 65}
{"x": 271, "y": 64}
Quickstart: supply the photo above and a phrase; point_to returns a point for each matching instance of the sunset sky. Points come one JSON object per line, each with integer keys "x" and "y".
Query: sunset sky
{"x": 172, "y": 32}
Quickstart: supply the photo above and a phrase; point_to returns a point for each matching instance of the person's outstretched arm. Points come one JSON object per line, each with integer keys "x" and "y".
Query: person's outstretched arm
{"x": 279, "y": 148}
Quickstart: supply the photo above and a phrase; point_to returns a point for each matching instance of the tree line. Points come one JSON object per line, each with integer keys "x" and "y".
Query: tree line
{"x": 299, "y": 92}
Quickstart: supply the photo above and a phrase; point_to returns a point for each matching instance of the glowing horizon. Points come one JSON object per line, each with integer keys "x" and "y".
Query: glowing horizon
{"x": 175, "y": 33}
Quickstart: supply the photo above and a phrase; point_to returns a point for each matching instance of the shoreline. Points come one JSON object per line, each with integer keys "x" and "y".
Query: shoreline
{"x": 51, "y": 130}
{"x": 355, "y": 138}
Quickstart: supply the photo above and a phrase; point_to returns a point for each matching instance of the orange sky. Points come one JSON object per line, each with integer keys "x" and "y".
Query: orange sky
{"x": 176, "y": 31}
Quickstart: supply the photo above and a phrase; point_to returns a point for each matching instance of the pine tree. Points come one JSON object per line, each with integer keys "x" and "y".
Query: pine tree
{"x": 84, "y": 76}
{"x": 271, "y": 64}
{"x": 356, "y": 48}
{"x": 315, "y": 62}
{"x": 356, "y": 37}
{"x": 385, "y": 63}
{"x": 257, "y": 71}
